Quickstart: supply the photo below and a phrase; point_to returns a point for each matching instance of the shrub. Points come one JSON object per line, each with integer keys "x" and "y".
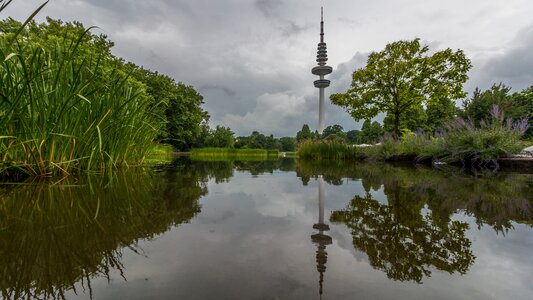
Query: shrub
{"x": 491, "y": 140}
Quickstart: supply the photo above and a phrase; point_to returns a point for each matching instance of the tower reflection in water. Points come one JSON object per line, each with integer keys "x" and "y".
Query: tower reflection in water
{"x": 320, "y": 239}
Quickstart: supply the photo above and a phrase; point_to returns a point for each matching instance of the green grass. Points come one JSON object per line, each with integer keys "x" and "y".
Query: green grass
{"x": 460, "y": 142}
{"x": 328, "y": 150}
{"x": 231, "y": 153}
{"x": 61, "y": 113}
{"x": 159, "y": 154}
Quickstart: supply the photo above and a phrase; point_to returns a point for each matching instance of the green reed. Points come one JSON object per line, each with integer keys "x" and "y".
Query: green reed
{"x": 231, "y": 153}
{"x": 327, "y": 149}
{"x": 61, "y": 112}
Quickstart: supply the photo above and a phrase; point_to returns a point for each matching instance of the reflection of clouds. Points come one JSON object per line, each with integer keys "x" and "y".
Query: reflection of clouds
{"x": 261, "y": 246}
{"x": 276, "y": 197}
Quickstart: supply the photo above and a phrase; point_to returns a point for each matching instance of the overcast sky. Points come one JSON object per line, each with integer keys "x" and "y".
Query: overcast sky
{"x": 252, "y": 59}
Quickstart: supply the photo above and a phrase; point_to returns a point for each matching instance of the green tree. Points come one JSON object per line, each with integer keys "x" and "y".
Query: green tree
{"x": 438, "y": 112}
{"x": 370, "y": 133}
{"x": 515, "y": 106}
{"x": 402, "y": 76}
{"x": 257, "y": 140}
{"x": 221, "y": 137}
{"x": 352, "y": 136}
{"x": 288, "y": 144}
{"x": 479, "y": 106}
{"x": 304, "y": 134}
{"x": 415, "y": 118}
{"x": 334, "y": 130}
{"x": 523, "y": 103}
{"x": 177, "y": 108}
{"x": 185, "y": 117}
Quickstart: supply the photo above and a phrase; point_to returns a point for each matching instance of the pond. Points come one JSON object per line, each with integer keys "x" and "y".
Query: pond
{"x": 269, "y": 230}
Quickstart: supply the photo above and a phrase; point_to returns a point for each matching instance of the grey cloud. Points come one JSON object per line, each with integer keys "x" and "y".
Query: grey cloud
{"x": 342, "y": 74}
{"x": 226, "y": 90}
{"x": 239, "y": 52}
{"x": 513, "y": 67}
{"x": 292, "y": 28}
{"x": 268, "y": 8}
{"x": 349, "y": 22}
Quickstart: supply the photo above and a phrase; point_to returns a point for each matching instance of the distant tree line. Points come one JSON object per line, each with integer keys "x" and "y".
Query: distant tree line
{"x": 224, "y": 137}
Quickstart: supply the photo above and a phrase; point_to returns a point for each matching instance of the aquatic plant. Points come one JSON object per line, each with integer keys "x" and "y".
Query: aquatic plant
{"x": 231, "y": 153}
{"x": 60, "y": 111}
{"x": 327, "y": 149}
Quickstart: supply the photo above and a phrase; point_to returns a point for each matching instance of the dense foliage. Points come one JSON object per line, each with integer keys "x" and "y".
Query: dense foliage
{"x": 257, "y": 140}
{"x": 67, "y": 103}
{"x": 516, "y": 106}
{"x": 401, "y": 78}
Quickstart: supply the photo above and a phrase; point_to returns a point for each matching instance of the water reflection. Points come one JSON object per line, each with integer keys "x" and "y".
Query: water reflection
{"x": 56, "y": 234}
{"x": 402, "y": 242}
{"x": 413, "y": 232}
{"x": 410, "y": 223}
{"x": 321, "y": 239}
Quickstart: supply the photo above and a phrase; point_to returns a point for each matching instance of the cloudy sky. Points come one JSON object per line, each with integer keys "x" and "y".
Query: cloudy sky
{"x": 251, "y": 59}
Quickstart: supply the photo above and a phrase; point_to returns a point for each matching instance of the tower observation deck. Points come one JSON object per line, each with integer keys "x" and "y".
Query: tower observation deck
{"x": 321, "y": 70}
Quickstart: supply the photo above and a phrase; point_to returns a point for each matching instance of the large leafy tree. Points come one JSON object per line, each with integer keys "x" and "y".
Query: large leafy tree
{"x": 402, "y": 76}
{"x": 185, "y": 117}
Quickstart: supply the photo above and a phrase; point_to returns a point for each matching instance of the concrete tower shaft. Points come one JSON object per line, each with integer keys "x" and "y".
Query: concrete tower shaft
{"x": 321, "y": 70}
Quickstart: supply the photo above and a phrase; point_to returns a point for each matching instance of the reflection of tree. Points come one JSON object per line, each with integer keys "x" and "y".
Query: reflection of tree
{"x": 222, "y": 169}
{"x": 54, "y": 235}
{"x": 493, "y": 199}
{"x": 403, "y": 243}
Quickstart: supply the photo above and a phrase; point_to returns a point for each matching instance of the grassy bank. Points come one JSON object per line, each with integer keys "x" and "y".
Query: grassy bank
{"x": 231, "y": 153}
{"x": 62, "y": 111}
{"x": 460, "y": 142}
{"x": 328, "y": 150}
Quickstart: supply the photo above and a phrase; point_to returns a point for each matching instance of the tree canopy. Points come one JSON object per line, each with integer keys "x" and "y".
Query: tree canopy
{"x": 402, "y": 76}
{"x": 176, "y": 111}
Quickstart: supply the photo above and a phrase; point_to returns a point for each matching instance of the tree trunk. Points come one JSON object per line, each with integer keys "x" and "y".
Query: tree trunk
{"x": 396, "y": 129}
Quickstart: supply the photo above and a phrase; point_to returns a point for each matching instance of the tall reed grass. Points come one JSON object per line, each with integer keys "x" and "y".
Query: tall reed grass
{"x": 328, "y": 149}
{"x": 60, "y": 112}
{"x": 232, "y": 153}
{"x": 460, "y": 141}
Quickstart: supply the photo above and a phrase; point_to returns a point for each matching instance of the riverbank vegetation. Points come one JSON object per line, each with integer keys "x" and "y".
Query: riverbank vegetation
{"x": 68, "y": 104}
{"x": 233, "y": 153}
{"x": 458, "y": 141}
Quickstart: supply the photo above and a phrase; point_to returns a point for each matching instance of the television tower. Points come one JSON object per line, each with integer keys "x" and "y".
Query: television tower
{"x": 321, "y": 239}
{"x": 321, "y": 70}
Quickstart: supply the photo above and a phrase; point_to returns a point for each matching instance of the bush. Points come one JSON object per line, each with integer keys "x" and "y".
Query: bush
{"x": 491, "y": 140}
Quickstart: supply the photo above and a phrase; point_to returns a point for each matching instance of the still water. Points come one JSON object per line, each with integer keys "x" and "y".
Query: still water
{"x": 269, "y": 230}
